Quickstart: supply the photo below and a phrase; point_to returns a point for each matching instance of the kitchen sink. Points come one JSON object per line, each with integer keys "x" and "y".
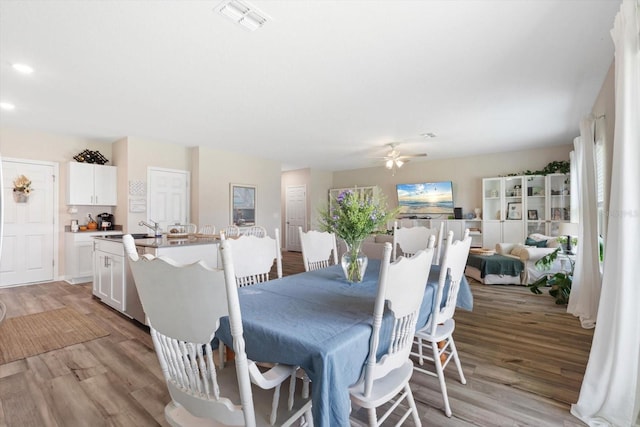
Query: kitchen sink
{"x": 134, "y": 235}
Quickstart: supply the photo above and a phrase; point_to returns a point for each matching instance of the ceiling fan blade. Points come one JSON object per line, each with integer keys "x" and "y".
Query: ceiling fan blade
{"x": 412, "y": 156}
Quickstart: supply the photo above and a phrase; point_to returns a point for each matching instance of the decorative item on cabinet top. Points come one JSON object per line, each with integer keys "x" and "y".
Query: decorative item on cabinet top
{"x": 88, "y": 156}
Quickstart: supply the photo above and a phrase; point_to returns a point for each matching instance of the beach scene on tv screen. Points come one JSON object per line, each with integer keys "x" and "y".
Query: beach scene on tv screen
{"x": 426, "y": 198}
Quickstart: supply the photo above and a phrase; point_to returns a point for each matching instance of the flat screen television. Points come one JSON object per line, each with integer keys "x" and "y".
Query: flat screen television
{"x": 425, "y": 199}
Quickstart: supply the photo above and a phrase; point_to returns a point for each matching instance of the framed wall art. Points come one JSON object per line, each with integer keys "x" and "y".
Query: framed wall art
{"x": 243, "y": 204}
{"x": 514, "y": 210}
{"x": 532, "y": 214}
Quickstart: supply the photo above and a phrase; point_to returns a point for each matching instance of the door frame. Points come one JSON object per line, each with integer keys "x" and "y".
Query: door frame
{"x": 56, "y": 214}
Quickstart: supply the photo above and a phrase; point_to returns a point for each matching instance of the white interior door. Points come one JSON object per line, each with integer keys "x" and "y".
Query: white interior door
{"x": 168, "y": 196}
{"x": 296, "y": 215}
{"x": 28, "y": 247}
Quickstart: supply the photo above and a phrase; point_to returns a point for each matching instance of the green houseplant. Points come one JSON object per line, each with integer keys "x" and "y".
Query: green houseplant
{"x": 559, "y": 283}
{"x": 352, "y": 216}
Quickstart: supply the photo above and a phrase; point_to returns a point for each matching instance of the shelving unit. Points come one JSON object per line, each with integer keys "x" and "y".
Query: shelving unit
{"x": 503, "y": 208}
{"x": 516, "y": 206}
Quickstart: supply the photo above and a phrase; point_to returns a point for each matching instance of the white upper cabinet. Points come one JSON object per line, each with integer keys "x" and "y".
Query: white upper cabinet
{"x": 91, "y": 184}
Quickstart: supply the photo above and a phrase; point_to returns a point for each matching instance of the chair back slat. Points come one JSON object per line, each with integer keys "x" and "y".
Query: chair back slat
{"x": 208, "y": 229}
{"x": 401, "y": 286}
{"x": 230, "y": 231}
{"x": 255, "y": 230}
{"x": 452, "y": 267}
{"x": 319, "y": 249}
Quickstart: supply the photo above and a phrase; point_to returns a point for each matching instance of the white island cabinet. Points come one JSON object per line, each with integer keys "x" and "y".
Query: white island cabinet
{"x": 78, "y": 254}
{"x": 109, "y": 273}
{"x": 113, "y": 282}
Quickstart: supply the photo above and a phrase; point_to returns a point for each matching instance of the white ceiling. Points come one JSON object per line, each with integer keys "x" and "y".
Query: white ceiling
{"x": 324, "y": 84}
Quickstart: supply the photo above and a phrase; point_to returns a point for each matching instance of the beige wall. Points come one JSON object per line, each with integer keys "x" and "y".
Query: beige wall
{"x": 33, "y": 145}
{"x": 317, "y": 183}
{"x": 466, "y": 173}
{"x": 211, "y": 173}
{"x": 217, "y": 169}
{"x": 137, "y": 155}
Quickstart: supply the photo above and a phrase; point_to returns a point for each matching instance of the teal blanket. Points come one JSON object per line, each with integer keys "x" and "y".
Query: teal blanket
{"x": 496, "y": 264}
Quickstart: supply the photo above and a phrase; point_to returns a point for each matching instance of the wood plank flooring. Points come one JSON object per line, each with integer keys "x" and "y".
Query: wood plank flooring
{"x": 523, "y": 357}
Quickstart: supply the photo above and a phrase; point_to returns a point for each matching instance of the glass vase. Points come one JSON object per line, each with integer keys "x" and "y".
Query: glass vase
{"x": 354, "y": 262}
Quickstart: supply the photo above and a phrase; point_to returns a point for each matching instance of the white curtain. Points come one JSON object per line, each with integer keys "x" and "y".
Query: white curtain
{"x": 610, "y": 393}
{"x": 585, "y": 289}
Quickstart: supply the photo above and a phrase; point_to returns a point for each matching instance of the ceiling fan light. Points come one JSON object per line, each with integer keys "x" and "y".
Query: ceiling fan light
{"x": 399, "y": 163}
{"x": 389, "y": 164}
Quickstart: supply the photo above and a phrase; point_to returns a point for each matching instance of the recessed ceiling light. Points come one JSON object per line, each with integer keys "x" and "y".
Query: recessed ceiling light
{"x": 7, "y": 106}
{"x": 23, "y": 68}
{"x": 428, "y": 135}
{"x": 243, "y": 14}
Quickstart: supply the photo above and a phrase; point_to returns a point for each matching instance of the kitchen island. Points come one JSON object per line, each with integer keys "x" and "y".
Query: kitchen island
{"x": 113, "y": 282}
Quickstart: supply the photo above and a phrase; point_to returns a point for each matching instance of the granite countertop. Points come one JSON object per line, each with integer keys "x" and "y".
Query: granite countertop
{"x": 166, "y": 242}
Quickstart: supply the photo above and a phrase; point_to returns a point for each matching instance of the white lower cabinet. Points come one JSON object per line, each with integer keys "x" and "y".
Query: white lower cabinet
{"x": 502, "y": 231}
{"x": 79, "y": 255}
{"x": 109, "y": 276}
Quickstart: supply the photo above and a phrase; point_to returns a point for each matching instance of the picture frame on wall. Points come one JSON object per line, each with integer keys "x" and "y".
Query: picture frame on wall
{"x": 243, "y": 204}
{"x": 532, "y": 214}
{"x": 514, "y": 210}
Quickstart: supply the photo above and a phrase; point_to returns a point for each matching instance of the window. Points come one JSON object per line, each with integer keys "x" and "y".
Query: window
{"x": 600, "y": 192}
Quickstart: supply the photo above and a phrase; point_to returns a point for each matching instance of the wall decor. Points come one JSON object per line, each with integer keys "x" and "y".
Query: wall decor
{"x": 137, "y": 205}
{"x": 88, "y": 156}
{"x": 137, "y": 187}
{"x": 243, "y": 204}
{"x": 514, "y": 210}
{"x": 21, "y": 189}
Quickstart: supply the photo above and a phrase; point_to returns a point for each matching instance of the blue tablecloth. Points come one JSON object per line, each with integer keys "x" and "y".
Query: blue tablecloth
{"x": 319, "y": 321}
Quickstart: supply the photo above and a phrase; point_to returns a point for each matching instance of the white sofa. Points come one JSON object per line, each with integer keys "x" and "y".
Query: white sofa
{"x": 530, "y": 254}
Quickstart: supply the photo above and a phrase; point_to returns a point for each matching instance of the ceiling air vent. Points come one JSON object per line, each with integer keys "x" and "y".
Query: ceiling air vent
{"x": 243, "y": 13}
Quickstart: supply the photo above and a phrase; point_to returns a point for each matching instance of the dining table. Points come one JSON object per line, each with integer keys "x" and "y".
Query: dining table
{"x": 322, "y": 323}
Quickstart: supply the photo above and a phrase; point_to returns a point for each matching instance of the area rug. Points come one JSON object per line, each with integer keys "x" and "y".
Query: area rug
{"x": 26, "y": 336}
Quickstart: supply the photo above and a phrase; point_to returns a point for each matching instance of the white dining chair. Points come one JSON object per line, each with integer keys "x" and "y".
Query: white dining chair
{"x": 254, "y": 257}
{"x": 208, "y": 230}
{"x": 319, "y": 249}
{"x": 439, "y": 234}
{"x": 253, "y": 261}
{"x": 411, "y": 239}
{"x": 183, "y": 320}
{"x": 435, "y": 340}
{"x": 3, "y": 311}
{"x": 255, "y": 230}
{"x": 386, "y": 378}
{"x": 230, "y": 231}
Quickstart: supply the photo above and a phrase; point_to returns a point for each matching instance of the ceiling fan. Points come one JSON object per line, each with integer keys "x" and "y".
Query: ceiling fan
{"x": 394, "y": 160}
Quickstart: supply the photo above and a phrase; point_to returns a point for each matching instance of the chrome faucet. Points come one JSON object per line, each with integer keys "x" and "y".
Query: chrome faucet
{"x": 155, "y": 227}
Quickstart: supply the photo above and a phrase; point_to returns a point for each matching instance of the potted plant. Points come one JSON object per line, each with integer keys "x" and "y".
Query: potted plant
{"x": 21, "y": 189}
{"x": 352, "y": 217}
{"x": 560, "y": 283}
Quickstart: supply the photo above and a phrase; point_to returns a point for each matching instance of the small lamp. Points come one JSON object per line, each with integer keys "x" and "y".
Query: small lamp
{"x": 568, "y": 229}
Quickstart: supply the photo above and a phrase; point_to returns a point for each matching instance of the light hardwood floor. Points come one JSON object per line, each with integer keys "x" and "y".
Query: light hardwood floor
{"x": 523, "y": 357}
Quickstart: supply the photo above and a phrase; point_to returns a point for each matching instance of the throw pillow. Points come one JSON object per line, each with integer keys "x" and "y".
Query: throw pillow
{"x": 537, "y": 243}
{"x": 553, "y": 243}
{"x": 517, "y": 249}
